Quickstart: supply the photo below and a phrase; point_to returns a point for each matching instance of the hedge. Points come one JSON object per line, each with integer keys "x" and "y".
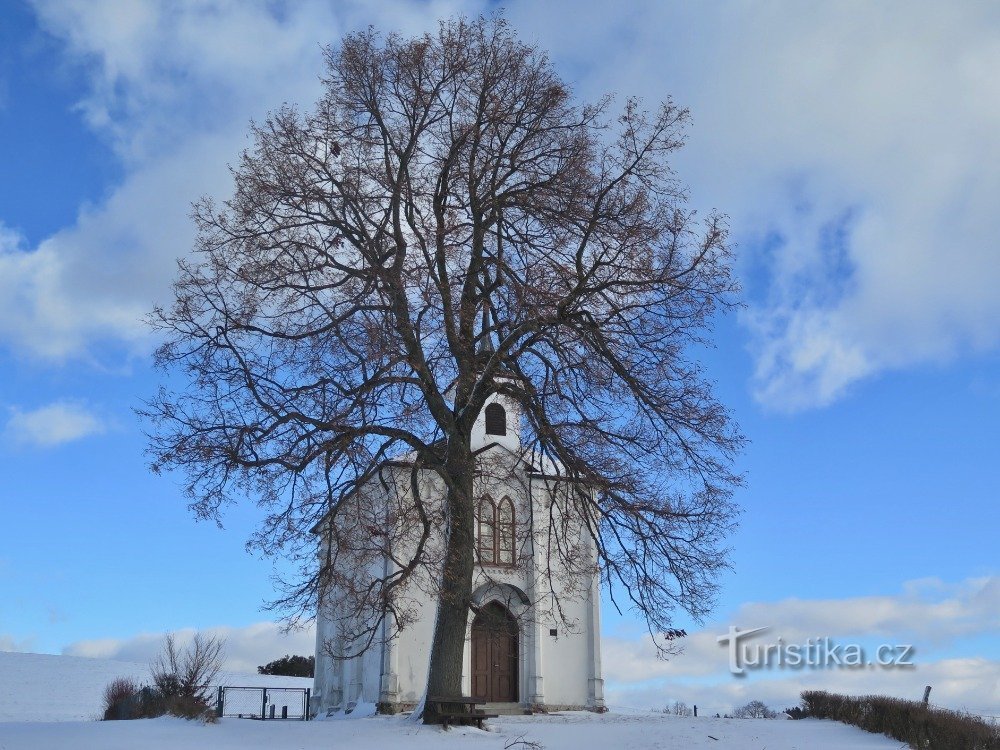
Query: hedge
{"x": 921, "y": 727}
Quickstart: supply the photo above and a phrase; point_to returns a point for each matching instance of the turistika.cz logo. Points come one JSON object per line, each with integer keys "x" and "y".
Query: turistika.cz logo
{"x": 815, "y": 653}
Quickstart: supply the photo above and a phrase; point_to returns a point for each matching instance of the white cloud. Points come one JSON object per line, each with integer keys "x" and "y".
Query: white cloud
{"x": 959, "y": 684}
{"x": 930, "y": 615}
{"x": 172, "y": 87}
{"x": 54, "y": 424}
{"x": 891, "y": 118}
{"x": 246, "y": 647}
{"x": 9, "y": 643}
{"x": 858, "y": 137}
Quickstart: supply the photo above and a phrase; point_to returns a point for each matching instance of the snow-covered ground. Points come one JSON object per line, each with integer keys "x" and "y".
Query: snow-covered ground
{"x": 45, "y": 687}
{"x": 49, "y": 703}
{"x": 572, "y": 731}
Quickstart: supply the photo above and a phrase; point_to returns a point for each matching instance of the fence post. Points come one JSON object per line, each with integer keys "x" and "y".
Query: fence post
{"x": 218, "y": 704}
{"x": 696, "y": 710}
{"x": 308, "y": 707}
{"x": 263, "y": 703}
{"x": 927, "y": 695}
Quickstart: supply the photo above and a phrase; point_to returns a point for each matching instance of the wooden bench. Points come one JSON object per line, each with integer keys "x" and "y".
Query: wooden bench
{"x": 460, "y": 710}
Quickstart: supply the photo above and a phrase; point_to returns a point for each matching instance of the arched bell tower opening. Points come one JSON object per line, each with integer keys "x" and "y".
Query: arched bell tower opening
{"x": 495, "y": 654}
{"x": 499, "y": 423}
{"x": 496, "y": 419}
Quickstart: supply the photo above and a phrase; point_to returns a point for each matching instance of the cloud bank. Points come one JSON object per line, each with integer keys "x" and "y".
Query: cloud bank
{"x": 930, "y": 615}
{"x": 971, "y": 684}
{"x": 10, "y": 643}
{"x": 852, "y": 143}
{"x": 246, "y": 647}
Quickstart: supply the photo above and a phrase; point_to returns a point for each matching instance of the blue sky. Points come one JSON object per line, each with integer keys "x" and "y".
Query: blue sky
{"x": 854, "y": 148}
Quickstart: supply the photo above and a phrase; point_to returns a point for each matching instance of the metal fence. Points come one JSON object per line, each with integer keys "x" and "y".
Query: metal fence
{"x": 264, "y": 703}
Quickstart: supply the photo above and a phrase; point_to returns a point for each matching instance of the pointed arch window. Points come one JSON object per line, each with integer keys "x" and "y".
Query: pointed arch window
{"x": 496, "y": 419}
{"x": 487, "y": 529}
{"x": 505, "y": 532}
{"x": 497, "y": 526}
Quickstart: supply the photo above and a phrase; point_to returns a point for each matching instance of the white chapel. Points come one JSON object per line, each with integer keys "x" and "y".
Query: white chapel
{"x": 534, "y": 643}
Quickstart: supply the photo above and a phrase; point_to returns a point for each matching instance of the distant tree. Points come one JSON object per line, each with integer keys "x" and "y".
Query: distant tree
{"x": 754, "y": 710}
{"x": 679, "y": 708}
{"x": 449, "y": 223}
{"x": 290, "y": 666}
{"x": 797, "y": 712}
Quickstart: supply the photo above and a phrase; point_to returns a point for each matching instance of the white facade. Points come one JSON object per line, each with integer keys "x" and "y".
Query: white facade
{"x": 552, "y": 660}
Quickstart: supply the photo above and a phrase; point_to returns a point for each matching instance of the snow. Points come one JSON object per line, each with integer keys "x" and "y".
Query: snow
{"x": 48, "y": 703}
{"x": 561, "y": 732}
{"x": 45, "y": 687}
{"x": 358, "y": 711}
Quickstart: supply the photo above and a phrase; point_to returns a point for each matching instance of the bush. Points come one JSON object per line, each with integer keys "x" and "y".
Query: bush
{"x": 125, "y": 699}
{"x": 290, "y": 666}
{"x": 182, "y": 682}
{"x": 187, "y": 707}
{"x": 907, "y": 721}
{"x": 190, "y": 672}
{"x": 754, "y": 710}
{"x": 184, "y": 677}
{"x": 118, "y": 696}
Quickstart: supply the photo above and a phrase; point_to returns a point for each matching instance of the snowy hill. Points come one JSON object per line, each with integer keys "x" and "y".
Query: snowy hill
{"x": 44, "y": 687}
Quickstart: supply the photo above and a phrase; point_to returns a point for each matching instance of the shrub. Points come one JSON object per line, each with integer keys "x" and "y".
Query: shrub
{"x": 754, "y": 710}
{"x": 191, "y": 672}
{"x": 290, "y": 666}
{"x": 125, "y": 699}
{"x": 118, "y": 696}
{"x": 182, "y": 682}
{"x": 907, "y": 721}
{"x": 187, "y": 707}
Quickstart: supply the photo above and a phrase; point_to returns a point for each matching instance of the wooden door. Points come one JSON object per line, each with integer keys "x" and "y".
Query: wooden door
{"x": 494, "y": 655}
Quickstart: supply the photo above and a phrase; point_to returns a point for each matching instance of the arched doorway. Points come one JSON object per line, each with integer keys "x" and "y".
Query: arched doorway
{"x": 494, "y": 654}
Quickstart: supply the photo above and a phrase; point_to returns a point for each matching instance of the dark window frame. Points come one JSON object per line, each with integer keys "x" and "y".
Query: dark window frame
{"x": 496, "y": 419}
{"x": 493, "y": 528}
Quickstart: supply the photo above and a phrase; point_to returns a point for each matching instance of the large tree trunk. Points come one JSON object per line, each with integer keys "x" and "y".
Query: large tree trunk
{"x": 448, "y": 646}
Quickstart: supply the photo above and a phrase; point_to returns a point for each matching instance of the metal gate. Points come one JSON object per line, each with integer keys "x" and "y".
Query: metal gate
{"x": 263, "y": 703}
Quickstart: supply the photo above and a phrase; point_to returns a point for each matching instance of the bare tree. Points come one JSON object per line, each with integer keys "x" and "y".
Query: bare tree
{"x": 189, "y": 672}
{"x": 678, "y": 708}
{"x": 755, "y": 710}
{"x": 448, "y": 223}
